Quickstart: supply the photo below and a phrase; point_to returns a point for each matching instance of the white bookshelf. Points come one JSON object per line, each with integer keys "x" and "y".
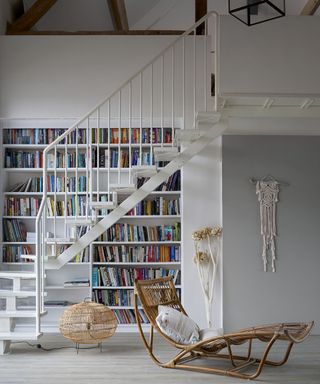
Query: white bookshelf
{"x": 55, "y": 279}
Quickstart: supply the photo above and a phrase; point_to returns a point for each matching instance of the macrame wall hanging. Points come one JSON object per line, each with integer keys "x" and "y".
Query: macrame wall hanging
{"x": 268, "y": 190}
{"x": 206, "y": 243}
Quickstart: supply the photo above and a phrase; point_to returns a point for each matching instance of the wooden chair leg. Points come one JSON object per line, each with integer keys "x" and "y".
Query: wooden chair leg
{"x": 284, "y": 360}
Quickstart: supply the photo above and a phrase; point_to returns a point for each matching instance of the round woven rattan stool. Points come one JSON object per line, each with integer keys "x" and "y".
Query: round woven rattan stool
{"x": 88, "y": 323}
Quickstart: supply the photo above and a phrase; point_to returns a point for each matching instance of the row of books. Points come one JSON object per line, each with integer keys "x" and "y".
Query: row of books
{"x": 11, "y": 254}
{"x": 137, "y": 254}
{"x": 129, "y": 232}
{"x": 123, "y": 135}
{"x": 157, "y": 206}
{"x": 14, "y": 230}
{"x": 172, "y": 184}
{"x": 29, "y": 206}
{"x": 114, "y": 297}
{"x": 23, "y": 159}
{"x": 104, "y": 159}
{"x": 34, "y": 159}
{"x": 127, "y": 316}
{"x": 35, "y": 184}
{"x": 99, "y": 135}
{"x": 59, "y": 160}
{"x": 21, "y": 206}
{"x": 40, "y": 136}
{"x": 115, "y": 277}
{"x": 76, "y": 206}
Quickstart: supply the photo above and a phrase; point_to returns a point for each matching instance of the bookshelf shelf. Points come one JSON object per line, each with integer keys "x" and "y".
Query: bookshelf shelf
{"x": 17, "y": 243}
{"x": 137, "y": 264}
{"x": 71, "y": 170}
{"x": 83, "y": 146}
{"x": 136, "y": 242}
{"x": 57, "y": 287}
{"x": 129, "y": 217}
{"x": 129, "y": 287}
{"x": 155, "y": 193}
{"x": 17, "y": 148}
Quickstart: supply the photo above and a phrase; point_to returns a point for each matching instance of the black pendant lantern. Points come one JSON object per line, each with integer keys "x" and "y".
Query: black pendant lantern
{"x": 252, "y": 12}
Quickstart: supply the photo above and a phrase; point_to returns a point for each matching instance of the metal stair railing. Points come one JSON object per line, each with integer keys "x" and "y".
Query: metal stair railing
{"x": 168, "y": 91}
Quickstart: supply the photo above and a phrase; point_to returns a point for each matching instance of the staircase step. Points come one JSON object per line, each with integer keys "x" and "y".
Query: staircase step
{"x": 144, "y": 170}
{"x": 165, "y": 153}
{"x": 78, "y": 222}
{"x": 4, "y": 314}
{"x": 31, "y": 257}
{"x": 19, "y": 335}
{"x": 123, "y": 188}
{"x": 7, "y": 293}
{"x": 203, "y": 116}
{"x": 55, "y": 240}
{"x": 103, "y": 205}
{"x": 15, "y": 274}
{"x": 187, "y": 136}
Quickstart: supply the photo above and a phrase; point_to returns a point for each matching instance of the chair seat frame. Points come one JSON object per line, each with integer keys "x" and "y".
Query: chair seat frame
{"x": 151, "y": 293}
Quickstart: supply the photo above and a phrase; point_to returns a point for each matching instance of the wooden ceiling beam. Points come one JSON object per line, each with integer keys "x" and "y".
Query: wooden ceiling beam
{"x": 119, "y": 15}
{"x": 201, "y": 9}
{"x": 310, "y": 8}
{"x": 112, "y": 33}
{"x": 30, "y": 18}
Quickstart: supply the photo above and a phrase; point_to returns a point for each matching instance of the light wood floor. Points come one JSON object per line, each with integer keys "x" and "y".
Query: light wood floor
{"x": 124, "y": 360}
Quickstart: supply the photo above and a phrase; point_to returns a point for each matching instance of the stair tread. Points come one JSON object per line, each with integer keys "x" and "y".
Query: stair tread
{"x": 57, "y": 239}
{"x": 19, "y": 335}
{"x": 101, "y": 203}
{"x": 80, "y": 221}
{"x": 144, "y": 170}
{"x": 31, "y": 257}
{"x": 21, "y": 274}
{"x": 8, "y": 293}
{"x": 123, "y": 188}
{"x": 165, "y": 153}
{"x": 164, "y": 149}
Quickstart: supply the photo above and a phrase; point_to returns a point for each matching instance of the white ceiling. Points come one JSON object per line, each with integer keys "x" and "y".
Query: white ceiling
{"x": 94, "y": 15}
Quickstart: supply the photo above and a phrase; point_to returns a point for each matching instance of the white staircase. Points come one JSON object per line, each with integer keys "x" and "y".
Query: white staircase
{"x": 168, "y": 92}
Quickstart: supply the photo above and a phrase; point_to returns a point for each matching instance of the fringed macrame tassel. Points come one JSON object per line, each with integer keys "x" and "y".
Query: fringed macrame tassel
{"x": 267, "y": 192}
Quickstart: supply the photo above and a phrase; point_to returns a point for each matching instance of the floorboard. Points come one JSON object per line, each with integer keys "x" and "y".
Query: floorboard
{"x": 124, "y": 360}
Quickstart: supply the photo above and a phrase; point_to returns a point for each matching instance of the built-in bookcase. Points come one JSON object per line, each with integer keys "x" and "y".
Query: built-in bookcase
{"x": 146, "y": 243}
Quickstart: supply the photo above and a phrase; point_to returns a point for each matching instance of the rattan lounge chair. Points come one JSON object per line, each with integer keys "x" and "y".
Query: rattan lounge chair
{"x": 152, "y": 293}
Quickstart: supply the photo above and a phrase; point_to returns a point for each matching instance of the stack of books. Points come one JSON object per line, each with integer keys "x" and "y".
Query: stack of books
{"x": 77, "y": 282}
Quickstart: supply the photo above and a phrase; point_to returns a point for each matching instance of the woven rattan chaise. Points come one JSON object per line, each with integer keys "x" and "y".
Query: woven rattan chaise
{"x": 153, "y": 293}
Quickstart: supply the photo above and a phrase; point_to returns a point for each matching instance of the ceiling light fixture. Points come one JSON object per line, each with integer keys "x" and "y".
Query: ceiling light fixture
{"x": 251, "y": 12}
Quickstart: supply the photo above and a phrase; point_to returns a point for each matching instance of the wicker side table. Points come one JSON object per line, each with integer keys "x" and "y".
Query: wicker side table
{"x": 88, "y": 323}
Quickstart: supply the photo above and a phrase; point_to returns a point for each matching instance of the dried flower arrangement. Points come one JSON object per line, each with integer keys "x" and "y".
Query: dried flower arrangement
{"x": 206, "y": 261}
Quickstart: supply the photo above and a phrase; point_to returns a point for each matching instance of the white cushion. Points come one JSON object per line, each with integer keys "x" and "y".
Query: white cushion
{"x": 177, "y": 326}
{"x": 207, "y": 333}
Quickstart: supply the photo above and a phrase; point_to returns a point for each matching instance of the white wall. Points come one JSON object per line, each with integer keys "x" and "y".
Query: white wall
{"x": 252, "y": 296}
{"x": 201, "y": 208}
{"x": 66, "y": 76}
{"x": 279, "y": 56}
